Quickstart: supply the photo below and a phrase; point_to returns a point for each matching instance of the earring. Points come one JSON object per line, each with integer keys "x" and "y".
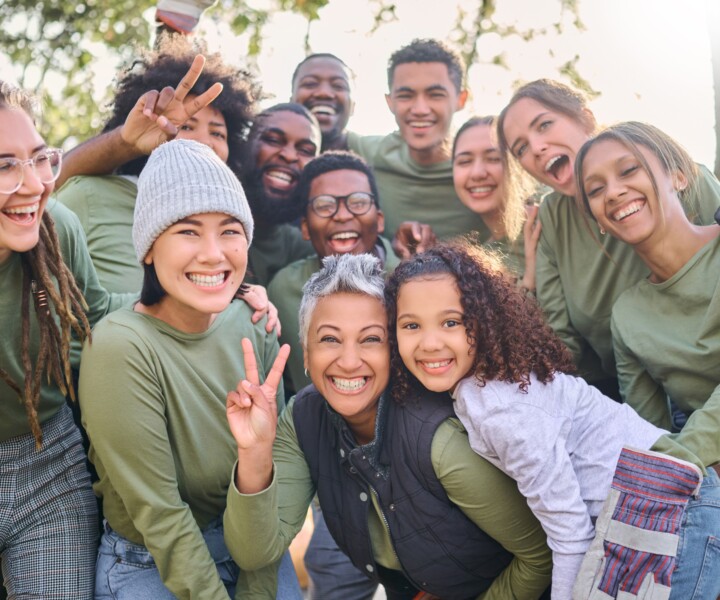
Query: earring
{"x": 306, "y": 375}
{"x": 602, "y": 231}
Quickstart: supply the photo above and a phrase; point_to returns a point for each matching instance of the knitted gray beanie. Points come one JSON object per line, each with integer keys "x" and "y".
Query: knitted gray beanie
{"x": 184, "y": 178}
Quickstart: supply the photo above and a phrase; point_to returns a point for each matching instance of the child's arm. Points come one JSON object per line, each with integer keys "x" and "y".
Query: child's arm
{"x": 527, "y": 443}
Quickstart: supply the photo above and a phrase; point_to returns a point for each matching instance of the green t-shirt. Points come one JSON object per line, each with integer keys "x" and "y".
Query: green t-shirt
{"x": 488, "y": 497}
{"x": 274, "y": 249}
{"x": 105, "y": 206}
{"x": 153, "y": 405}
{"x": 581, "y": 273}
{"x": 285, "y": 292}
{"x": 411, "y": 192}
{"x": 667, "y": 345}
{"x": 75, "y": 254}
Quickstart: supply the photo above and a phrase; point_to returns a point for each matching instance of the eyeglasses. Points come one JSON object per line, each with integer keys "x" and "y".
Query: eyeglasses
{"x": 46, "y": 166}
{"x": 326, "y": 206}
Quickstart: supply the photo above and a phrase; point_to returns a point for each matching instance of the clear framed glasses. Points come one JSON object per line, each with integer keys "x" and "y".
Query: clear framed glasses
{"x": 46, "y": 164}
{"x": 326, "y": 206}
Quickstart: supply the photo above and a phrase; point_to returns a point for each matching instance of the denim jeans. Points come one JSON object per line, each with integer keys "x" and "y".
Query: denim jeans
{"x": 127, "y": 571}
{"x": 697, "y": 574}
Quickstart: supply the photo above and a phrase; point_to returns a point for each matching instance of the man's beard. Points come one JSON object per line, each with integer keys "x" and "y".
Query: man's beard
{"x": 268, "y": 210}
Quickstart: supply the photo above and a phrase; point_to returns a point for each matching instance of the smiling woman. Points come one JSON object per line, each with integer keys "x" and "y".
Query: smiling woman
{"x": 162, "y": 459}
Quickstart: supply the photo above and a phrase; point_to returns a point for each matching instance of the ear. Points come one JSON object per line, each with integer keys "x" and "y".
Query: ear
{"x": 380, "y": 221}
{"x": 304, "y": 229}
{"x": 589, "y": 121}
{"x": 388, "y": 100}
{"x": 462, "y": 99}
{"x": 305, "y": 358}
{"x": 148, "y": 260}
{"x": 680, "y": 182}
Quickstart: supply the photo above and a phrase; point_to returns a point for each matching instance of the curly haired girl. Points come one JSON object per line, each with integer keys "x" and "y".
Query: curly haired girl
{"x": 457, "y": 324}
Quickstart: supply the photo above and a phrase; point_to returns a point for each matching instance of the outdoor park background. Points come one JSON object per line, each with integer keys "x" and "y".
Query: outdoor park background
{"x": 648, "y": 60}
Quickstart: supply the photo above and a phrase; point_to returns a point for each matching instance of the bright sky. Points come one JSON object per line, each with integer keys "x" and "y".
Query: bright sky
{"x": 650, "y": 60}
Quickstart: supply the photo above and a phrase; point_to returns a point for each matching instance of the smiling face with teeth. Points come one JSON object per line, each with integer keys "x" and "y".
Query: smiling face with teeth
{"x": 478, "y": 173}
{"x": 343, "y": 233}
{"x": 200, "y": 262}
{"x": 431, "y": 335}
{"x": 630, "y": 203}
{"x": 424, "y": 99}
{"x": 324, "y": 86}
{"x": 546, "y": 141}
{"x": 348, "y": 358}
{"x": 21, "y": 211}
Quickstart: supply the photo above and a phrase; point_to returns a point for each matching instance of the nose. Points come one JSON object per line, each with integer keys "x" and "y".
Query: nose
{"x": 537, "y": 145}
{"x": 420, "y": 105}
{"x": 31, "y": 183}
{"x": 325, "y": 90}
{"x": 615, "y": 189}
{"x": 479, "y": 170}
{"x": 349, "y": 360}
{"x": 288, "y": 153}
{"x": 211, "y": 251}
{"x": 430, "y": 341}
{"x": 343, "y": 214}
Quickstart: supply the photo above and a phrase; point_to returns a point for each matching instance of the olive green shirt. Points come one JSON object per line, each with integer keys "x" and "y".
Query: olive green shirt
{"x": 667, "y": 345}
{"x": 273, "y": 517}
{"x": 275, "y": 248}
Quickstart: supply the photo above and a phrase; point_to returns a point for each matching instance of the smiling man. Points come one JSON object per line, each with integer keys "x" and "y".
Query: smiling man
{"x": 283, "y": 139}
{"x": 412, "y": 165}
{"x": 323, "y": 84}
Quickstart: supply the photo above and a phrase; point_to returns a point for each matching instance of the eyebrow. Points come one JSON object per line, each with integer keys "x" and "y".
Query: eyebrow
{"x": 35, "y": 150}
{"x": 336, "y": 328}
{"x": 191, "y": 221}
{"x": 213, "y": 123}
{"x": 449, "y": 311}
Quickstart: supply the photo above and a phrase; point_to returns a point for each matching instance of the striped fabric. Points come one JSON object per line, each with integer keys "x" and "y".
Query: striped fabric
{"x": 639, "y": 527}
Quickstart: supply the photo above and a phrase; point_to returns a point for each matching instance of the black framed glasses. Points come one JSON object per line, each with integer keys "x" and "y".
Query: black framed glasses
{"x": 357, "y": 203}
{"x": 46, "y": 164}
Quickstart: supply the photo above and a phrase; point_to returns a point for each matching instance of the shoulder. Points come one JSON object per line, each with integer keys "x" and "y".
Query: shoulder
{"x": 365, "y": 145}
{"x": 293, "y": 276}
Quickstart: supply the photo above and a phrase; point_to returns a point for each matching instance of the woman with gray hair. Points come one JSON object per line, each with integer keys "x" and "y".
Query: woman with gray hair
{"x": 402, "y": 492}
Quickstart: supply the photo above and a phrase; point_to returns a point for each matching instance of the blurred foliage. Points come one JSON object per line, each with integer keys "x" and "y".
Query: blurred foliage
{"x": 51, "y": 43}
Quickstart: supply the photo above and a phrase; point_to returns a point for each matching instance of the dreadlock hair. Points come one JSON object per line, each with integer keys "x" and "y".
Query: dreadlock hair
{"x": 55, "y": 298}
{"x": 506, "y": 328}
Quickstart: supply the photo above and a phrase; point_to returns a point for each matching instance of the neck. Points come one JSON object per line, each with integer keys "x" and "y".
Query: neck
{"x": 495, "y": 223}
{"x": 334, "y": 141}
{"x": 185, "y": 320}
{"x": 667, "y": 255}
{"x": 431, "y": 156}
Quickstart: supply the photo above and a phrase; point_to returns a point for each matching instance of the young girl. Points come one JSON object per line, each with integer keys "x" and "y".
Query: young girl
{"x": 457, "y": 325}
{"x": 49, "y": 294}
{"x": 153, "y": 385}
{"x": 578, "y": 279}
{"x": 496, "y": 189}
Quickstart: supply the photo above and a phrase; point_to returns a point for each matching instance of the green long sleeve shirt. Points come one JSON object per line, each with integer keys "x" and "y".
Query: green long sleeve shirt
{"x": 412, "y": 192}
{"x": 273, "y": 517}
{"x": 153, "y": 405}
{"x": 667, "y": 345}
{"x": 581, "y": 273}
{"x": 75, "y": 254}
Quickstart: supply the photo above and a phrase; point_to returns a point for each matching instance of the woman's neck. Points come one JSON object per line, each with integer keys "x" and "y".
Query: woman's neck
{"x": 495, "y": 222}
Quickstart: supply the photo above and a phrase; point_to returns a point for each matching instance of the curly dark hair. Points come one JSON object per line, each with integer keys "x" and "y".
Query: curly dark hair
{"x": 166, "y": 66}
{"x": 333, "y": 160}
{"x": 506, "y": 327}
{"x": 427, "y": 51}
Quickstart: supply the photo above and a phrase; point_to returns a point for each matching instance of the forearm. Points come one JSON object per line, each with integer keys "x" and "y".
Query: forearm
{"x": 99, "y": 155}
{"x": 254, "y": 472}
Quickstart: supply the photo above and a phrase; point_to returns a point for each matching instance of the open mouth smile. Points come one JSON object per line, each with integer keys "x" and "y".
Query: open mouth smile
{"x": 208, "y": 281}
{"x": 23, "y": 215}
{"x": 349, "y": 386}
{"x": 627, "y": 210}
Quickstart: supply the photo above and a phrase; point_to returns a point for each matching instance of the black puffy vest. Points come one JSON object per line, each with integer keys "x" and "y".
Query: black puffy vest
{"x": 440, "y": 549}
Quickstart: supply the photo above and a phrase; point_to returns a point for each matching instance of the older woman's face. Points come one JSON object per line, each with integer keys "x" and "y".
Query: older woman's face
{"x": 347, "y": 354}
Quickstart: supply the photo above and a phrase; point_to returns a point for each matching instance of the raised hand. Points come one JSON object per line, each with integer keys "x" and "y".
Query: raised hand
{"x": 157, "y": 116}
{"x": 413, "y": 237}
{"x": 252, "y": 408}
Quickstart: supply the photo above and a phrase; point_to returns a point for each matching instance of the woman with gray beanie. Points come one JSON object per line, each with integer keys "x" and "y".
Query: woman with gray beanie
{"x": 153, "y": 385}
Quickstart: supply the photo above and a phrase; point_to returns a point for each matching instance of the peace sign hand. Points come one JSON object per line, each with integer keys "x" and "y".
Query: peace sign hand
{"x": 158, "y": 116}
{"x": 252, "y": 408}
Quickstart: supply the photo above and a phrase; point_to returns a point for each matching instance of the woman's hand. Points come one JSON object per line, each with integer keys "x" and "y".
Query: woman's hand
{"x": 256, "y": 298}
{"x": 413, "y": 237}
{"x": 252, "y": 415}
{"x": 531, "y": 236}
{"x": 157, "y": 116}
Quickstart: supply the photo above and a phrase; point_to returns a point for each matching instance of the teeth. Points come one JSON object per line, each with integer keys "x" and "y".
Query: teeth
{"x": 551, "y": 162}
{"x": 630, "y": 209}
{"x": 322, "y": 109}
{"x": 482, "y": 190}
{"x": 282, "y": 175}
{"x": 422, "y": 124}
{"x": 21, "y": 210}
{"x": 207, "y": 280}
{"x": 438, "y": 364}
{"x": 349, "y": 385}
{"x": 345, "y": 235}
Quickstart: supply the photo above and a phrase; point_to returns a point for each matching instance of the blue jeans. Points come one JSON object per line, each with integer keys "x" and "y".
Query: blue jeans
{"x": 127, "y": 571}
{"x": 332, "y": 575}
{"x": 697, "y": 574}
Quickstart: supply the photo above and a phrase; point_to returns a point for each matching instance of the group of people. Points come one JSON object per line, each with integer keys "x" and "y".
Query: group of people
{"x": 498, "y": 368}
